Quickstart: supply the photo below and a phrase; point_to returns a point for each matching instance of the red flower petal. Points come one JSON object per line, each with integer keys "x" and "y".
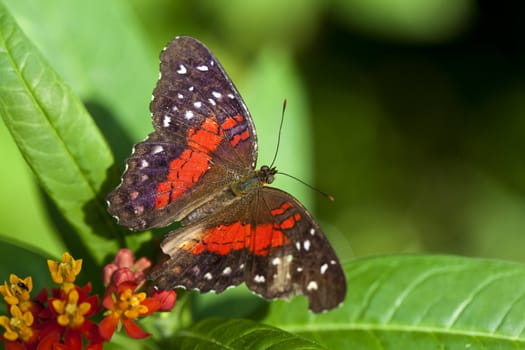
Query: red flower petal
{"x": 126, "y": 285}
{"x": 133, "y": 330}
{"x": 93, "y": 346}
{"x": 73, "y": 339}
{"x": 107, "y": 327}
{"x": 122, "y": 275}
{"x": 108, "y": 301}
{"x": 167, "y": 299}
{"x": 91, "y": 332}
{"x": 141, "y": 264}
{"x": 152, "y": 305}
{"x": 48, "y": 342}
{"x": 124, "y": 258}
{"x": 109, "y": 270}
{"x": 14, "y": 345}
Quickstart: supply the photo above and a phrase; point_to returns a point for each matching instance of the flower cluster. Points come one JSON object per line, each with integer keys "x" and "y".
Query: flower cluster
{"x": 62, "y": 319}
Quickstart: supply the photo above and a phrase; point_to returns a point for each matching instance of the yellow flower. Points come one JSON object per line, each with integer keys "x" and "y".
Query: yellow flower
{"x": 18, "y": 292}
{"x": 70, "y": 313}
{"x": 65, "y": 272}
{"x": 18, "y": 326}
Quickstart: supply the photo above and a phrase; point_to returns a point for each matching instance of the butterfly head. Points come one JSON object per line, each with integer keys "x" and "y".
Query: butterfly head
{"x": 266, "y": 174}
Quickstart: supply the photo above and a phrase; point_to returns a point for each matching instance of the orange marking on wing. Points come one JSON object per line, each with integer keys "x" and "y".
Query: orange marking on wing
{"x": 229, "y": 123}
{"x": 225, "y": 238}
{"x": 191, "y": 164}
{"x": 279, "y": 211}
{"x": 288, "y": 223}
{"x": 235, "y": 140}
{"x": 245, "y": 135}
{"x": 207, "y": 138}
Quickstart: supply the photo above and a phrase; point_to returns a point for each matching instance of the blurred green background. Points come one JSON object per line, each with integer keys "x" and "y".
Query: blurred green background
{"x": 411, "y": 113}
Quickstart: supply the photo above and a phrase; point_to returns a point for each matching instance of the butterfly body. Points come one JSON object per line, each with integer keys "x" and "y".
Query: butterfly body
{"x": 199, "y": 168}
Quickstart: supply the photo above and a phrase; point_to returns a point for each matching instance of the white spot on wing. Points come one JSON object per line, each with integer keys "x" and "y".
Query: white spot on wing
{"x": 197, "y": 104}
{"x": 312, "y": 231}
{"x": 208, "y": 276}
{"x": 241, "y": 266}
{"x": 299, "y": 269}
{"x": 212, "y": 101}
{"x": 312, "y": 285}
{"x": 202, "y": 68}
{"x": 227, "y": 270}
{"x": 157, "y": 149}
{"x": 143, "y": 163}
{"x": 259, "y": 279}
{"x": 182, "y": 69}
{"x": 166, "y": 121}
{"x": 191, "y": 88}
{"x": 216, "y": 94}
{"x": 332, "y": 262}
{"x": 298, "y": 245}
{"x": 188, "y": 115}
{"x": 276, "y": 261}
{"x": 230, "y": 95}
{"x": 179, "y": 95}
{"x": 306, "y": 245}
{"x": 324, "y": 267}
{"x": 289, "y": 258}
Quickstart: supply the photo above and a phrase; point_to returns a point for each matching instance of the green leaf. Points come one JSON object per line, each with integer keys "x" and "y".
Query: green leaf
{"x": 419, "y": 302}
{"x": 221, "y": 333}
{"x": 56, "y": 136}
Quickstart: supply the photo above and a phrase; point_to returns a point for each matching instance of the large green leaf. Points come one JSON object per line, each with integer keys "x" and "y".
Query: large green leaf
{"x": 56, "y": 136}
{"x": 221, "y": 333}
{"x": 419, "y": 302}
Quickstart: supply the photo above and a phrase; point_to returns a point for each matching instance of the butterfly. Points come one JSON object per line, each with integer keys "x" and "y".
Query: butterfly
{"x": 198, "y": 167}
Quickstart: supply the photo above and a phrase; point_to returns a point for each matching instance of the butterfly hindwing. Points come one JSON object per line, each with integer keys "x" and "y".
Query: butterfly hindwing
{"x": 268, "y": 240}
{"x": 304, "y": 264}
{"x": 204, "y": 138}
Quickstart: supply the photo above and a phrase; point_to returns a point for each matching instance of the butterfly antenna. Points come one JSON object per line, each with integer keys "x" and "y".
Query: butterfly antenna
{"x": 324, "y": 194}
{"x": 285, "y": 102}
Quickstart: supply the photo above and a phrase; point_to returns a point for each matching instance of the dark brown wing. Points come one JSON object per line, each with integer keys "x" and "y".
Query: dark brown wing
{"x": 204, "y": 138}
{"x": 266, "y": 238}
{"x": 306, "y": 264}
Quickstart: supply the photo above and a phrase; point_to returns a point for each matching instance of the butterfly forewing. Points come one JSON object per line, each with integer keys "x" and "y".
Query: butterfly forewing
{"x": 204, "y": 138}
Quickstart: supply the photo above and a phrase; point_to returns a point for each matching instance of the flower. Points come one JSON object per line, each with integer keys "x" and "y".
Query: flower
{"x": 167, "y": 299}
{"x": 124, "y": 307}
{"x": 18, "y": 327}
{"x": 65, "y": 272}
{"x": 125, "y": 268}
{"x": 63, "y": 323}
{"x": 60, "y": 320}
{"x": 18, "y": 292}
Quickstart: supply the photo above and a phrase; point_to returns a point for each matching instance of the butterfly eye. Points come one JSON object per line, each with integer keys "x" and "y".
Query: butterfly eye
{"x": 269, "y": 179}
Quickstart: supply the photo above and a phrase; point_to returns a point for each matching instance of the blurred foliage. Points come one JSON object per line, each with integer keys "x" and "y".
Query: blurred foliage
{"x": 410, "y": 113}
